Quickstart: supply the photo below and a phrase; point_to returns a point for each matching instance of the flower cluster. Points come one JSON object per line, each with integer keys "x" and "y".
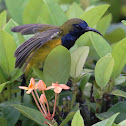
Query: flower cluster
{"x": 41, "y": 101}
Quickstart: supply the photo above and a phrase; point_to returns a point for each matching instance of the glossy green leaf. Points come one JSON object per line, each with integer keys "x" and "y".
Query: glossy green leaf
{"x": 55, "y": 12}
{"x": 78, "y": 58}
{"x": 15, "y": 8}
{"x": 9, "y": 112}
{"x": 118, "y": 107}
{"x": 32, "y": 114}
{"x": 103, "y": 24}
{"x": 3, "y": 18}
{"x": 35, "y": 9}
{"x": 3, "y": 122}
{"x": 124, "y": 22}
{"x": 100, "y": 44}
{"x": 57, "y": 66}
{"x": 77, "y": 119}
{"x": 118, "y": 92}
{"x": 103, "y": 70}
{"x": 93, "y": 15}
{"x": 74, "y": 11}
{"x": 119, "y": 55}
{"x": 107, "y": 122}
{"x": 116, "y": 35}
{"x": 17, "y": 36}
{"x": 70, "y": 115}
{"x": 7, "y": 48}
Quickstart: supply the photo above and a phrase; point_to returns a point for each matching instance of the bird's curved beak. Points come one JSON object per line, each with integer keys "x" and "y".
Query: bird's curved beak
{"x": 92, "y": 29}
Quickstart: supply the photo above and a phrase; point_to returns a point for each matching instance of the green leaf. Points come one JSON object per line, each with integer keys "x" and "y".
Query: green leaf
{"x": 123, "y": 123}
{"x": 77, "y": 119}
{"x": 9, "y": 112}
{"x": 124, "y": 22}
{"x": 3, "y": 18}
{"x": 103, "y": 24}
{"x": 32, "y": 114}
{"x": 57, "y": 66}
{"x": 118, "y": 107}
{"x": 17, "y": 36}
{"x": 84, "y": 81}
{"x": 7, "y": 48}
{"x": 118, "y": 92}
{"x": 3, "y": 85}
{"x": 116, "y": 35}
{"x": 119, "y": 55}
{"x": 16, "y": 74}
{"x": 78, "y": 58}
{"x": 107, "y": 122}
{"x": 100, "y": 44}
{"x": 74, "y": 11}
{"x": 39, "y": 73}
{"x": 93, "y": 15}
{"x": 70, "y": 115}
{"x": 16, "y": 8}
{"x": 3, "y": 76}
{"x": 120, "y": 80}
{"x": 3, "y": 122}
{"x": 103, "y": 70}
{"x": 35, "y": 9}
{"x": 55, "y": 12}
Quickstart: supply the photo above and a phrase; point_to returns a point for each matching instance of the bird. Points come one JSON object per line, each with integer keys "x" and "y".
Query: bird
{"x": 33, "y": 52}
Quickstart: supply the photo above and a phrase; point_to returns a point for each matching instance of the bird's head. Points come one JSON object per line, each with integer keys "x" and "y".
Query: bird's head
{"x": 72, "y": 30}
{"x": 77, "y": 26}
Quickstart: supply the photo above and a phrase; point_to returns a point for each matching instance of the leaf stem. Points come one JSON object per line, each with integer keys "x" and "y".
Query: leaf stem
{"x": 74, "y": 93}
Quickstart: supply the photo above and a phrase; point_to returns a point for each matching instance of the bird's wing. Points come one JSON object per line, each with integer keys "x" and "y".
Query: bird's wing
{"x": 32, "y": 28}
{"x": 33, "y": 44}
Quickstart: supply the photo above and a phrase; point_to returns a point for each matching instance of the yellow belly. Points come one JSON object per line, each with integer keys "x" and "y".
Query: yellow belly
{"x": 40, "y": 56}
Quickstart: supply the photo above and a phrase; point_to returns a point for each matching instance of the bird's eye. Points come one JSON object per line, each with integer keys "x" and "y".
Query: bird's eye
{"x": 77, "y": 27}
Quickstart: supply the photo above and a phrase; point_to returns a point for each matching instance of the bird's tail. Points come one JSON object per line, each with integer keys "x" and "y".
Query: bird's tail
{"x": 23, "y": 83}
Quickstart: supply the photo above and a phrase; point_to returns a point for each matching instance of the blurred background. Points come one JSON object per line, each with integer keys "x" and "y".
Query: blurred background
{"x": 117, "y": 9}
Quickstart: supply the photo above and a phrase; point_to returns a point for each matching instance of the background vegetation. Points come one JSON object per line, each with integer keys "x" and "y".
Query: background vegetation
{"x": 94, "y": 66}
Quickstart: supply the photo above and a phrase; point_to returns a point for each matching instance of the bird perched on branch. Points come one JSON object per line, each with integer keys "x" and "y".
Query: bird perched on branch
{"x": 33, "y": 52}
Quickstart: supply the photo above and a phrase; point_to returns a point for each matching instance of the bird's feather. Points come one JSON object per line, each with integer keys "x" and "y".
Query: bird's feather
{"x": 33, "y": 44}
{"x": 32, "y": 28}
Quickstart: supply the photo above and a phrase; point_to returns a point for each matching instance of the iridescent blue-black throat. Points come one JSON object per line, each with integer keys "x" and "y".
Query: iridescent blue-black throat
{"x": 69, "y": 39}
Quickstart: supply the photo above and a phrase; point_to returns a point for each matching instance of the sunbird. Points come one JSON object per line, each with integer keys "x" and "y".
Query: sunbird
{"x": 33, "y": 52}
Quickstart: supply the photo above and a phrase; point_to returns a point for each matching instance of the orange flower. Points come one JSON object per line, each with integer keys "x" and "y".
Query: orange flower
{"x": 41, "y": 85}
{"x": 30, "y": 87}
{"x": 43, "y": 99}
{"x": 58, "y": 87}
